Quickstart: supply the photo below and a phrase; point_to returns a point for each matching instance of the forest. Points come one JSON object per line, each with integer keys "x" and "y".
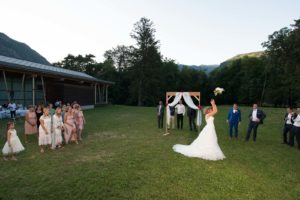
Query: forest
{"x": 142, "y": 74}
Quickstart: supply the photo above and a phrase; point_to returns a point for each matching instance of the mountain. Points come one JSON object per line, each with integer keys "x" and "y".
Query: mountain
{"x": 206, "y": 68}
{"x": 19, "y": 50}
{"x": 255, "y": 54}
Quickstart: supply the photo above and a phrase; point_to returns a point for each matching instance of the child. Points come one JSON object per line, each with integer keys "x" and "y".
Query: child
{"x": 13, "y": 144}
{"x": 58, "y": 126}
{"x": 45, "y": 130}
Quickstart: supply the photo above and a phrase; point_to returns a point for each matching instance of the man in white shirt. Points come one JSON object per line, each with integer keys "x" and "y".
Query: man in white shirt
{"x": 180, "y": 108}
{"x": 256, "y": 117}
{"x": 12, "y": 107}
{"x": 288, "y": 124}
{"x": 295, "y": 129}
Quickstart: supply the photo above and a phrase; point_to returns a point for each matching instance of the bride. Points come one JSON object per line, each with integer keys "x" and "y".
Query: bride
{"x": 205, "y": 146}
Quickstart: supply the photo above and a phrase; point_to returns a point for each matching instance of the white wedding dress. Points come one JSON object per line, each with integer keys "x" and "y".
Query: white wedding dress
{"x": 205, "y": 146}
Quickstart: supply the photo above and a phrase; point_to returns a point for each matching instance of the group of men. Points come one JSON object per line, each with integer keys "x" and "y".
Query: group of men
{"x": 180, "y": 111}
{"x": 256, "y": 117}
{"x": 234, "y": 118}
{"x": 291, "y": 127}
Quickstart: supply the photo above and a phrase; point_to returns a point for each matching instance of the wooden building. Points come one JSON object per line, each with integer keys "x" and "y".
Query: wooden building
{"x": 29, "y": 83}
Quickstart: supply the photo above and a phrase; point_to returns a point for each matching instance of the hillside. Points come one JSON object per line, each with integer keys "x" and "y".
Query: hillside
{"x": 15, "y": 49}
{"x": 251, "y": 54}
{"x": 255, "y": 54}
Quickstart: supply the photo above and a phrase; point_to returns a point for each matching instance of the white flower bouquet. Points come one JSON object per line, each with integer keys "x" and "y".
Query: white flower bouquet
{"x": 218, "y": 91}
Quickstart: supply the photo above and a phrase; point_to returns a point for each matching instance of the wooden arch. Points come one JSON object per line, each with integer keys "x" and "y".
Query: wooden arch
{"x": 169, "y": 95}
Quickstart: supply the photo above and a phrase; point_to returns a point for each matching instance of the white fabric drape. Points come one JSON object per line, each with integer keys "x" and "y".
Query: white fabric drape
{"x": 189, "y": 101}
{"x": 187, "y": 98}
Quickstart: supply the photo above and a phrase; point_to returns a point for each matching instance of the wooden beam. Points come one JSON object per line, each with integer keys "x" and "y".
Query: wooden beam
{"x": 103, "y": 92}
{"x": 106, "y": 93}
{"x": 23, "y": 89}
{"x": 95, "y": 93}
{"x": 6, "y": 87}
{"x": 167, "y": 101}
{"x": 33, "y": 90}
{"x": 99, "y": 93}
{"x": 44, "y": 92}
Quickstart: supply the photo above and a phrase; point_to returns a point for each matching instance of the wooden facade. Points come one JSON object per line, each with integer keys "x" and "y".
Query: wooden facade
{"x": 30, "y": 87}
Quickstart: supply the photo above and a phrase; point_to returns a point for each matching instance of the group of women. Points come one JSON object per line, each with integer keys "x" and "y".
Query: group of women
{"x": 55, "y": 126}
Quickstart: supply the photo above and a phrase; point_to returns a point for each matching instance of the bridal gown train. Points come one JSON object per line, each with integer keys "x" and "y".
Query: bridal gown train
{"x": 205, "y": 146}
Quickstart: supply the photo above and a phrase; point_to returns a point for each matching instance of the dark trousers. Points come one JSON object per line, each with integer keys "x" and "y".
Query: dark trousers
{"x": 180, "y": 121}
{"x": 234, "y": 125}
{"x": 192, "y": 124}
{"x": 13, "y": 114}
{"x": 160, "y": 120}
{"x": 254, "y": 126}
{"x": 295, "y": 131}
{"x": 286, "y": 129}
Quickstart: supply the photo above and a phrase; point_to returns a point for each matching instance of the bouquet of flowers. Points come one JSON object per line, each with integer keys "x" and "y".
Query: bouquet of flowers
{"x": 218, "y": 91}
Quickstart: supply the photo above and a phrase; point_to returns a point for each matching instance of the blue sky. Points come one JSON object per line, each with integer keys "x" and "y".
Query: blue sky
{"x": 190, "y": 31}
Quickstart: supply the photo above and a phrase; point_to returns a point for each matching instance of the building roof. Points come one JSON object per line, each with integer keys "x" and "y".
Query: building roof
{"x": 18, "y": 64}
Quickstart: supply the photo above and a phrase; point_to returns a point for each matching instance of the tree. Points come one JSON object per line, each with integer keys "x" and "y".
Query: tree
{"x": 147, "y": 62}
{"x": 76, "y": 63}
{"x": 283, "y": 51}
{"x": 121, "y": 56}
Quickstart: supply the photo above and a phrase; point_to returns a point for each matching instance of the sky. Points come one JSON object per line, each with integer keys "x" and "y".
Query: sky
{"x": 191, "y": 32}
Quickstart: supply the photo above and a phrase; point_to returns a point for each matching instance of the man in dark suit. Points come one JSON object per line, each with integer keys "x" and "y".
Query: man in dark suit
{"x": 256, "y": 117}
{"x": 160, "y": 114}
{"x": 234, "y": 118}
{"x": 288, "y": 124}
{"x": 192, "y": 115}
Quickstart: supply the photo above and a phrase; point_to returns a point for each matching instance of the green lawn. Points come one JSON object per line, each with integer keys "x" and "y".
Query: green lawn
{"x": 125, "y": 156}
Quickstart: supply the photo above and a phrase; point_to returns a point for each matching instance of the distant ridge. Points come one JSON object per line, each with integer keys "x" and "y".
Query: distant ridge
{"x": 255, "y": 54}
{"x": 206, "y": 68}
{"x": 251, "y": 54}
{"x": 19, "y": 50}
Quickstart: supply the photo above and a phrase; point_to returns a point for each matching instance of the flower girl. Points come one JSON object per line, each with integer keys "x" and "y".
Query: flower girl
{"x": 58, "y": 126}
{"x": 45, "y": 130}
{"x": 13, "y": 144}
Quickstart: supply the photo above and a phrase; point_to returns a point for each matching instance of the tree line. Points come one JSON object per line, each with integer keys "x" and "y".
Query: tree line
{"x": 142, "y": 74}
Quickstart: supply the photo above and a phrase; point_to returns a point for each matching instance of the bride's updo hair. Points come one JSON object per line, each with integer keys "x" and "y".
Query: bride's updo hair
{"x": 207, "y": 110}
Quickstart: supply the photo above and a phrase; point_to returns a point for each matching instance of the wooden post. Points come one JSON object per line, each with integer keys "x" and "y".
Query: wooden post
{"x": 99, "y": 93}
{"x": 106, "y": 99}
{"x": 6, "y": 87}
{"x": 103, "y": 92}
{"x": 199, "y": 111}
{"x": 33, "y": 90}
{"x": 44, "y": 92}
{"x": 166, "y": 124}
{"x": 23, "y": 89}
{"x": 95, "y": 93}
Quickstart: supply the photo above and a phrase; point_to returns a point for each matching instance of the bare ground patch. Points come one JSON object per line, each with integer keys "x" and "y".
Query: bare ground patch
{"x": 106, "y": 135}
{"x": 102, "y": 156}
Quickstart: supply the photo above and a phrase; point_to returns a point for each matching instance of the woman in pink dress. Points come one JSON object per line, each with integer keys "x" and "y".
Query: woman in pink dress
{"x": 79, "y": 120}
{"x": 30, "y": 122}
{"x": 70, "y": 127}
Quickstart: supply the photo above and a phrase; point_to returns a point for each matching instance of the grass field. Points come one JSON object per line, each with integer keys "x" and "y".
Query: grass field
{"x": 125, "y": 156}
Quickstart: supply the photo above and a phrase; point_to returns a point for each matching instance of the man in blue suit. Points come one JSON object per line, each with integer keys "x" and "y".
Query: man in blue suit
{"x": 234, "y": 118}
